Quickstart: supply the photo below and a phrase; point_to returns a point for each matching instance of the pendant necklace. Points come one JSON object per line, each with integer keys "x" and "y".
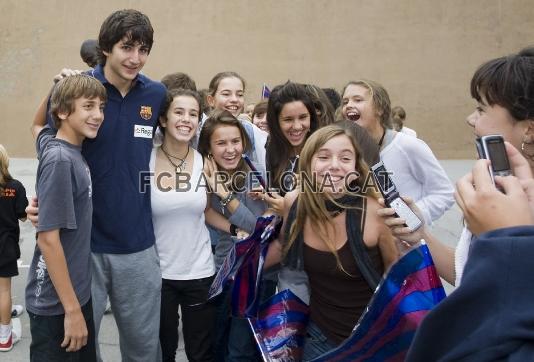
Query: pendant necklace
{"x": 181, "y": 165}
{"x": 293, "y": 161}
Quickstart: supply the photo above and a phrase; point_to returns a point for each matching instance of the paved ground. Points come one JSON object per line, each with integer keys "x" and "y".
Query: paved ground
{"x": 447, "y": 229}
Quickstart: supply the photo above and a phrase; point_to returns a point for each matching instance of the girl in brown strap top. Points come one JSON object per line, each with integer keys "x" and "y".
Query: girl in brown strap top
{"x": 333, "y": 238}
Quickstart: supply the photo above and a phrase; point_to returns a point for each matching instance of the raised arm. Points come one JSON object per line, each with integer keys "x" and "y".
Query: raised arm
{"x": 39, "y": 120}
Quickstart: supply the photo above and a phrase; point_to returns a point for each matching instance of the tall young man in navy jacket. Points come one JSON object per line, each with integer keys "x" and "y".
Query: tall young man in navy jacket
{"x": 124, "y": 260}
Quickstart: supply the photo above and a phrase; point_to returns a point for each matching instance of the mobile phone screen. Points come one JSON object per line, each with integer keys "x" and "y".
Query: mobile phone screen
{"x": 499, "y": 159}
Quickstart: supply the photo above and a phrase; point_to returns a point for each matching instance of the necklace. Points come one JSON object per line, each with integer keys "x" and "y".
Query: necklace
{"x": 382, "y": 139}
{"x": 180, "y": 166}
{"x": 293, "y": 161}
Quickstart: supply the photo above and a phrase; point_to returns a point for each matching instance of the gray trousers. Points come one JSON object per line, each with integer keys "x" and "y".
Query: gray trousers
{"x": 133, "y": 283}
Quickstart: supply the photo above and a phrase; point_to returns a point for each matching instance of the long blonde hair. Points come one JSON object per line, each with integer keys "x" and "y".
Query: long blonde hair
{"x": 311, "y": 205}
{"x": 5, "y": 176}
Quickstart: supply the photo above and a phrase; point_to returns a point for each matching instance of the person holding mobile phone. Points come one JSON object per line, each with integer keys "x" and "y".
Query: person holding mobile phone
{"x": 333, "y": 247}
{"x": 489, "y": 316}
{"x": 504, "y": 89}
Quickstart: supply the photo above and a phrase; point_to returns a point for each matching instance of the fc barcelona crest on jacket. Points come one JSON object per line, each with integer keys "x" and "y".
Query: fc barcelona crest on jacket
{"x": 146, "y": 112}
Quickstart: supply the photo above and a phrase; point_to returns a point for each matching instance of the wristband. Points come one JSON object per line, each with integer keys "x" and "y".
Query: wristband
{"x": 227, "y": 199}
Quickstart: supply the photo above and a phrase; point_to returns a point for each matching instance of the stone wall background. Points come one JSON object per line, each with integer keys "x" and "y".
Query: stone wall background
{"x": 423, "y": 51}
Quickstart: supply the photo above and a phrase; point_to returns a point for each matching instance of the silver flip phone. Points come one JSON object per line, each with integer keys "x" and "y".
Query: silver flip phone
{"x": 392, "y": 197}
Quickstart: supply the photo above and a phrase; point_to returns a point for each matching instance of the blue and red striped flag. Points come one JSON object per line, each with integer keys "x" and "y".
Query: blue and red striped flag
{"x": 386, "y": 329}
{"x": 280, "y": 327}
{"x": 265, "y": 92}
{"x": 244, "y": 265}
{"x": 245, "y": 291}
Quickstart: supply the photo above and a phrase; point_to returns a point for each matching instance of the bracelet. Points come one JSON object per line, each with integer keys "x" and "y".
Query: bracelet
{"x": 227, "y": 199}
{"x": 233, "y": 230}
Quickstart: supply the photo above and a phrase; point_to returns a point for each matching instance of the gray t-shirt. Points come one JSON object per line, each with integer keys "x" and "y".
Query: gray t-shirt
{"x": 64, "y": 195}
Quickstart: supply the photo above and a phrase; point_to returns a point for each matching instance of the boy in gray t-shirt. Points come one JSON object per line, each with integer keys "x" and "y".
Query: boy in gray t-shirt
{"x": 59, "y": 281}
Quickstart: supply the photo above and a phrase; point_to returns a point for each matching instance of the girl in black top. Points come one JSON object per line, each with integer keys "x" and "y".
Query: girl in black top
{"x": 13, "y": 202}
{"x": 332, "y": 237}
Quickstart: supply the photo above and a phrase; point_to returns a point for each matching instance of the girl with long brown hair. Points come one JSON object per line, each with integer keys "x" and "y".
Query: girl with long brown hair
{"x": 334, "y": 248}
{"x": 222, "y": 142}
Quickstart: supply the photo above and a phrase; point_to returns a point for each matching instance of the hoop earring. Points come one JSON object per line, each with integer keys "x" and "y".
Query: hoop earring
{"x": 530, "y": 156}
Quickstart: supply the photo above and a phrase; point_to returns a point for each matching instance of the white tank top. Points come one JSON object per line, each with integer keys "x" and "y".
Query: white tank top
{"x": 182, "y": 238}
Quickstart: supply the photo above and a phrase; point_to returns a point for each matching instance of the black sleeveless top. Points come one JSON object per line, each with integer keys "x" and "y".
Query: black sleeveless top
{"x": 337, "y": 297}
{"x": 355, "y": 221}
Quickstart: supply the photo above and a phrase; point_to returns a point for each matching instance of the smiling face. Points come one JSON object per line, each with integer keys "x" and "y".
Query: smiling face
{"x": 226, "y": 147}
{"x": 334, "y": 162}
{"x": 487, "y": 120}
{"x": 125, "y": 61}
{"x": 229, "y": 95}
{"x": 294, "y": 121}
{"x": 84, "y": 121}
{"x": 357, "y": 106}
{"x": 260, "y": 121}
{"x": 181, "y": 120}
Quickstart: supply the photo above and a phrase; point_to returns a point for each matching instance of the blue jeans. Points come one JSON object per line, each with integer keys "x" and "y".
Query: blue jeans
{"x": 241, "y": 343}
{"x": 316, "y": 343}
